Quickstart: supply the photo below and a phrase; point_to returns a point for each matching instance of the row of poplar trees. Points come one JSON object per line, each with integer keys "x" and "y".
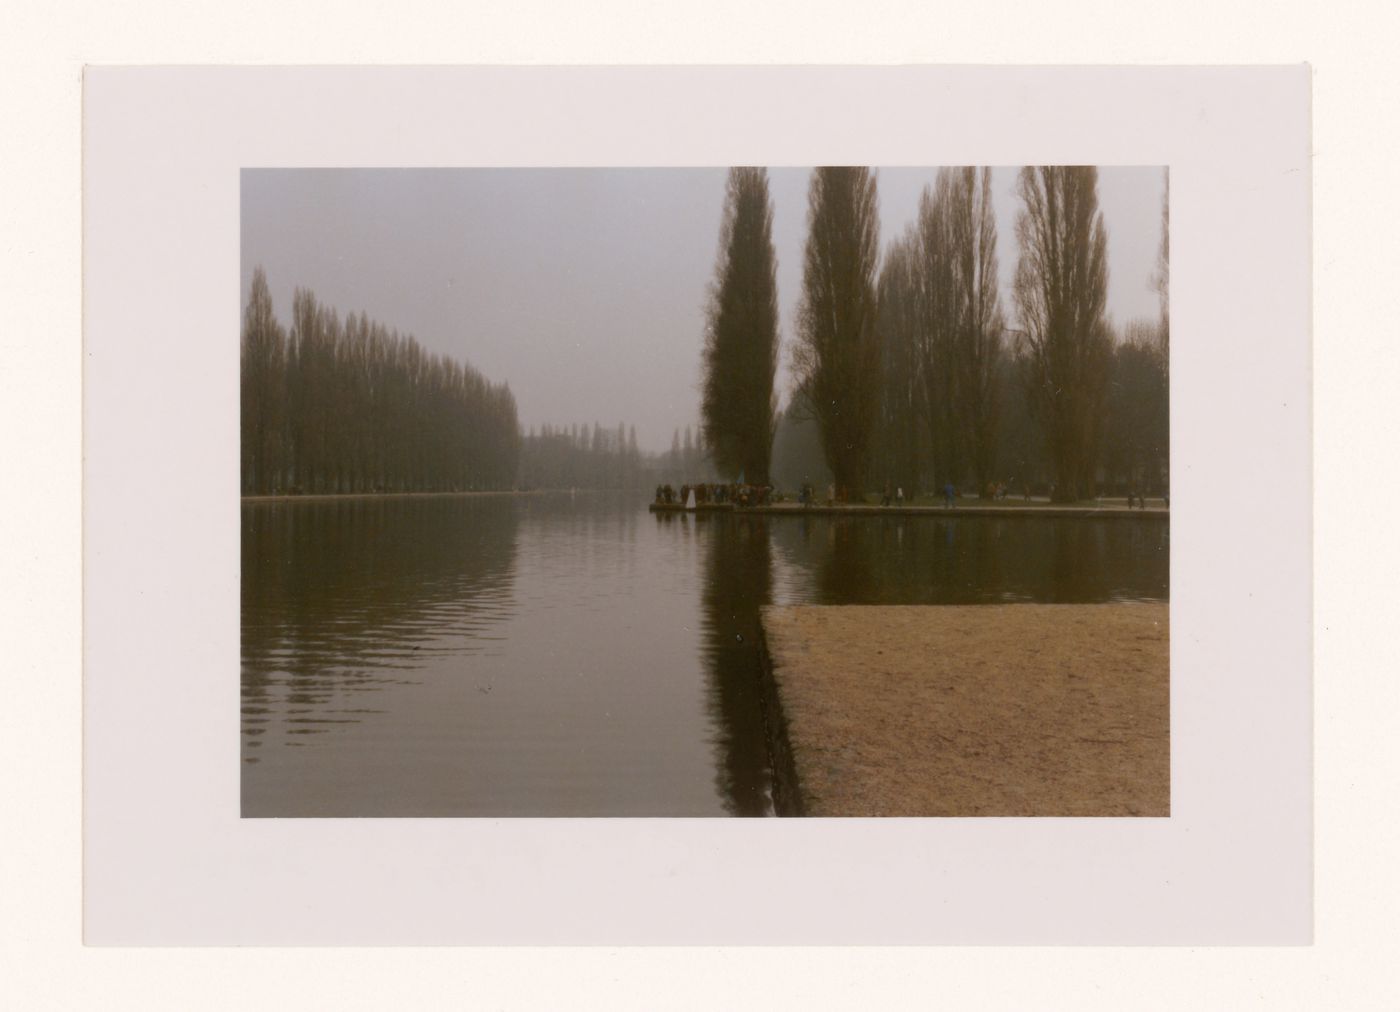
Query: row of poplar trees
{"x": 905, "y": 365}
{"x": 332, "y": 405}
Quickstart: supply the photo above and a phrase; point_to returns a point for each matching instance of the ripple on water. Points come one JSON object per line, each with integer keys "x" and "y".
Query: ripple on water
{"x": 560, "y": 655}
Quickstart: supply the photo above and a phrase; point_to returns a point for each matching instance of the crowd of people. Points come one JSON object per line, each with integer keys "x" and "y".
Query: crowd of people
{"x": 742, "y": 495}
{"x": 1135, "y": 496}
{"x": 707, "y": 493}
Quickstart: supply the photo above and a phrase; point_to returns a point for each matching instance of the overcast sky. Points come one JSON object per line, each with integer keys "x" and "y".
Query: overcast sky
{"x": 585, "y": 288}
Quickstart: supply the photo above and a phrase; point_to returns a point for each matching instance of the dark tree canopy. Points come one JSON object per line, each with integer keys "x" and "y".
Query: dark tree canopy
{"x": 741, "y": 340}
{"x": 837, "y": 357}
{"x": 1136, "y": 436}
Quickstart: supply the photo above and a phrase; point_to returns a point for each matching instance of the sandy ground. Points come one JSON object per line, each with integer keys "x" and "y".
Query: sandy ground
{"x": 1002, "y": 710}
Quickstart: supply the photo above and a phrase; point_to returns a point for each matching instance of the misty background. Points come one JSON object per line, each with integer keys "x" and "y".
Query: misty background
{"x": 585, "y": 289}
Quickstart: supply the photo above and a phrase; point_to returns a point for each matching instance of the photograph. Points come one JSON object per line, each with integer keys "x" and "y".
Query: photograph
{"x": 575, "y": 517}
{"x": 635, "y": 491}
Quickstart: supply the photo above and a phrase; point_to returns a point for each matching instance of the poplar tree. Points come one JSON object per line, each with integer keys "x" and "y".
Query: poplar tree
{"x": 901, "y": 421}
{"x": 837, "y": 357}
{"x": 962, "y": 329}
{"x": 262, "y": 394}
{"x": 741, "y": 335}
{"x": 1061, "y": 289}
{"x": 1161, "y": 279}
{"x": 979, "y": 324}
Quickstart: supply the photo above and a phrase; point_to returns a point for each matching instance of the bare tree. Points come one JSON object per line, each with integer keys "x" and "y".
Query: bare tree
{"x": 898, "y": 451}
{"x": 978, "y": 321}
{"x": 938, "y": 340}
{"x": 962, "y": 329}
{"x": 1161, "y": 281}
{"x": 741, "y": 339}
{"x": 837, "y": 356}
{"x": 1061, "y": 287}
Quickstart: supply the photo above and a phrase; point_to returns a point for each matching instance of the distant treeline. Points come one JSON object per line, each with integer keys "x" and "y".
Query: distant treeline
{"x": 349, "y": 405}
{"x": 580, "y": 457}
{"x": 592, "y": 457}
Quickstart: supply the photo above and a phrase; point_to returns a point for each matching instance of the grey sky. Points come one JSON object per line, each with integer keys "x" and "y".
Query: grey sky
{"x": 585, "y": 288}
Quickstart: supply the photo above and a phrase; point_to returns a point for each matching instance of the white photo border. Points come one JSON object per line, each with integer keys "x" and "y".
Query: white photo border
{"x": 167, "y": 859}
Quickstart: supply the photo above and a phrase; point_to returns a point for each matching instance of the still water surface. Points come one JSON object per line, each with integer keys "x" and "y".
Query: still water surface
{"x": 558, "y": 655}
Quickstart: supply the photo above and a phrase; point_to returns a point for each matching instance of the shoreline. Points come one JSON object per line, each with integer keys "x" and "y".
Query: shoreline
{"x": 327, "y": 496}
{"x": 1114, "y": 511}
{"x": 1050, "y": 510}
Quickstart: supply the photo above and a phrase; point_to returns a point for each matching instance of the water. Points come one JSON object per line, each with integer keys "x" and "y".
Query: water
{"x": 558, "y": 655}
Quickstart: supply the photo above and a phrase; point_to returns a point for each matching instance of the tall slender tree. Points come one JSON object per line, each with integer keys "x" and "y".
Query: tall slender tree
{"x": 1061, "y": 288}
{"x": 263, "y": 362}
{"x": 1162, "y": 282}
{"x": 741, "y": 335}
{"x": 938, "y": 338}
{"x": 962, "y": 328}
{"x": 979, "y": 324}
{"x": 898, "y": 449}
{"x": 837, "y": 357}
{"x": 1161, "y": 279}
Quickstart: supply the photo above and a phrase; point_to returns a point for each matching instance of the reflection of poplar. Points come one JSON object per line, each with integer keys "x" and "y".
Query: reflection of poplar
{"x": 738, "y": 582}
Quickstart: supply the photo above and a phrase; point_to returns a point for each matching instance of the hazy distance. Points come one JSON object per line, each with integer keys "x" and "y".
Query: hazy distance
{"x": 585, "y": 288}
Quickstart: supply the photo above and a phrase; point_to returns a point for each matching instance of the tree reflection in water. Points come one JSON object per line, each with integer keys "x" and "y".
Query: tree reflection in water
{"x": 738, "y": 582}
{"x": 560, "y": 655}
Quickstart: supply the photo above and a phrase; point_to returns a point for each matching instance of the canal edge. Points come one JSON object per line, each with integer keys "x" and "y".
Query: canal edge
{"x": 787, "y": 788}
